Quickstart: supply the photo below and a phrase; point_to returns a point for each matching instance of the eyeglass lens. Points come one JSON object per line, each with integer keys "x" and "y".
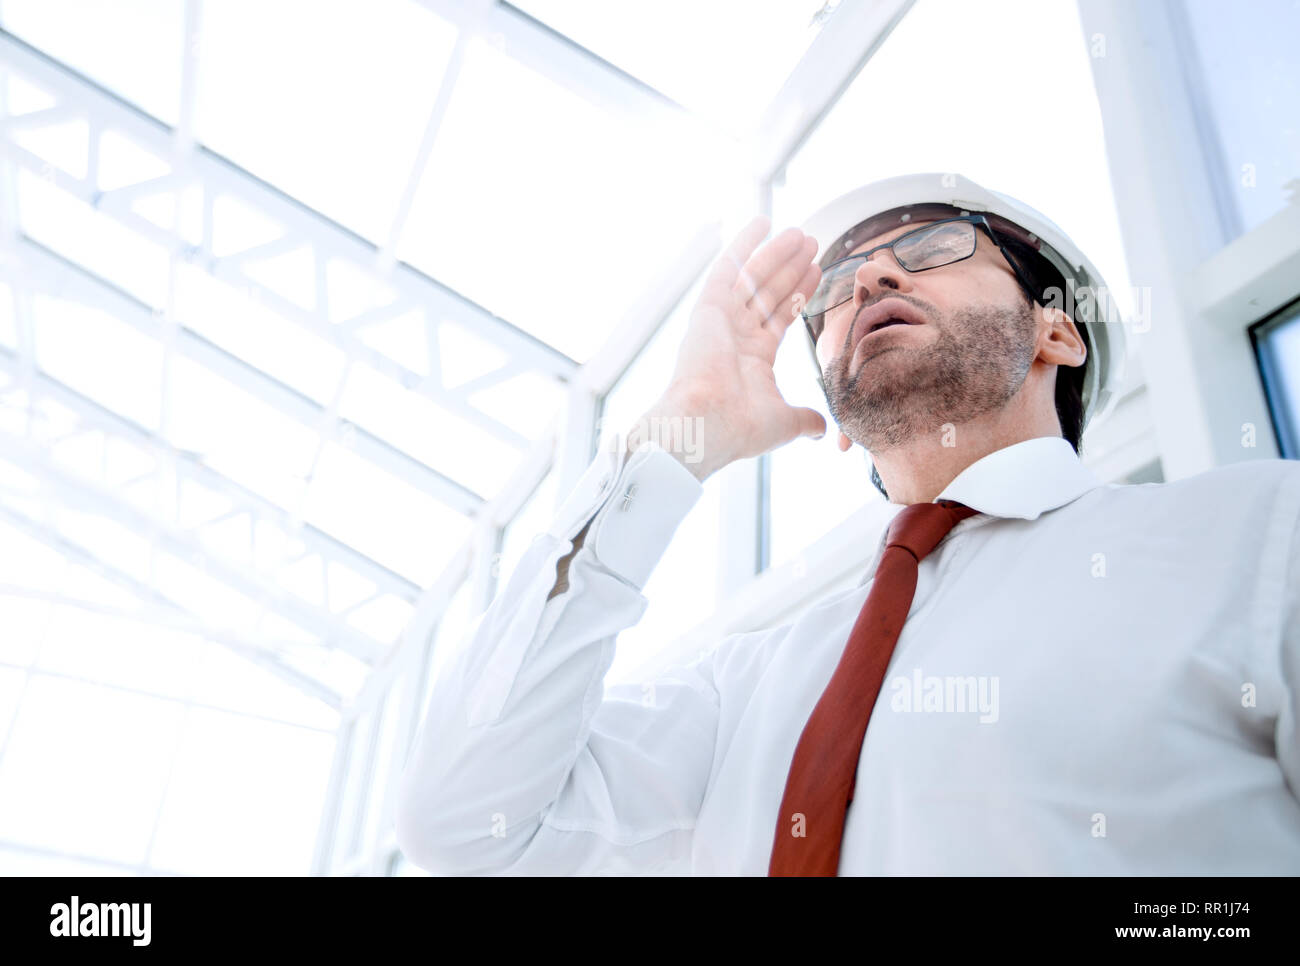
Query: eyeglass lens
{"x": 915, "y": 251}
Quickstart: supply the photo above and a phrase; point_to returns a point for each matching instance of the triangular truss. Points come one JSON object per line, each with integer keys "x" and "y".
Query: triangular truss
{"x": 294, "y": 587}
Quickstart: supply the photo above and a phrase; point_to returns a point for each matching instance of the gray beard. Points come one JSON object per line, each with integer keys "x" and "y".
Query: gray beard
{"x": 978, "y": 363}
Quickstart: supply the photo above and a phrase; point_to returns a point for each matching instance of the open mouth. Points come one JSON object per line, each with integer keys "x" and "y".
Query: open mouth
{"x": 887, "y": 314}
{"x": 885, "y": 323}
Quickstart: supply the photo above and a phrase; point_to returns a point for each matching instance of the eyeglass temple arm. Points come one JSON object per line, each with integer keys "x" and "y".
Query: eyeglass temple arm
{"x": 812, "y": 348}
{"x": 1015, "y": 266}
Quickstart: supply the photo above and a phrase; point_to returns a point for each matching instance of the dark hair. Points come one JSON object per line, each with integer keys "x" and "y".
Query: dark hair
{"x": 1043, "y": 277}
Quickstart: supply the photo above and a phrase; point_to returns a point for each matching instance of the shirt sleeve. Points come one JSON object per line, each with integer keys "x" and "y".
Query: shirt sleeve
{"x": 524, "y": 765}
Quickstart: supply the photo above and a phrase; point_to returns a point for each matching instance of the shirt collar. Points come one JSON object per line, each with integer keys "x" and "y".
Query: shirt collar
{"x": 1023, "y": 480}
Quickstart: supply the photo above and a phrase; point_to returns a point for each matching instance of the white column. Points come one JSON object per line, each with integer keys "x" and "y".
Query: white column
{"x": 1198, "y": 362}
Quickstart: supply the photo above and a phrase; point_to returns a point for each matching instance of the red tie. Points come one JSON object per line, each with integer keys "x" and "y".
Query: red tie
{"x": 819, "y": 788}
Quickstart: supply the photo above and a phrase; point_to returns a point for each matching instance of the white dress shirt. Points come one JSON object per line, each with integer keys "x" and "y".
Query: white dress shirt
{"x": 1094, "y": 679}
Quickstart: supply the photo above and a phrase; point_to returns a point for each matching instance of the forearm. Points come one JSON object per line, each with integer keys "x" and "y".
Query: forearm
{"x": 479, "y": 781}
{"x": 508, "y": 719}
{"x": 669, "y": 411}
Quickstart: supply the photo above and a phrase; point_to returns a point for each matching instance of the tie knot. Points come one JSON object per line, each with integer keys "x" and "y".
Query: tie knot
{"x": 919, "y": 527}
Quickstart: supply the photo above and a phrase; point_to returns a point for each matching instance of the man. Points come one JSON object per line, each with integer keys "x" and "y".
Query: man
{"x": 1060, "y": 676}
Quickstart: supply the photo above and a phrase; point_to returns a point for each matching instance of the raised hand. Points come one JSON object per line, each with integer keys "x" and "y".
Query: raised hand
{"x": 723, "y": 379}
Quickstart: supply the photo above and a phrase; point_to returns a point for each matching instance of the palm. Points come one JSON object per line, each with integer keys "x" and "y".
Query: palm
{"x": 733, "y": 335}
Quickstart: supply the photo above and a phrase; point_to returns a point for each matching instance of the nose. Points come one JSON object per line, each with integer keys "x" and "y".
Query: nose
{"x": 879, "y": 272}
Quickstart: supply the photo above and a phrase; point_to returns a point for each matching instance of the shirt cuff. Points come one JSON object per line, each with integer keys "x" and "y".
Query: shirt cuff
{"x": 634, "y": 503}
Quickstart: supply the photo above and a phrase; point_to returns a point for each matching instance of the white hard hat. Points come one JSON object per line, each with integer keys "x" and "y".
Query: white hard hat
{"x": 865, "y": 212}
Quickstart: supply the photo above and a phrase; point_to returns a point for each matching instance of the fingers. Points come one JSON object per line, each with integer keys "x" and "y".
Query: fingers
{"x": 758, "y": 271}
{"x": 792, "y": 297}
{"x": 844, "y": 443}
{"x": 726, "y": 270}
{"x": 773, "y": 284}
{"x": 809, "y": 422}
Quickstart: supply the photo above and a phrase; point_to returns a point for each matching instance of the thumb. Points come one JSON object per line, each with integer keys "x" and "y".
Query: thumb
{"x": 810, "y": 423}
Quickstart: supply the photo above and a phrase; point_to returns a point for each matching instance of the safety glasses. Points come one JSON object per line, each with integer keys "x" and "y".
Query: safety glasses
{"x": 930, "y": 246}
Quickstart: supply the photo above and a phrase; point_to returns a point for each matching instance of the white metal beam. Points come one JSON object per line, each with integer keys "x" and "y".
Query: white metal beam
{"x": 260, "y": 652}
{"x": 157, "y": 694}
{"x": 851, "y": 34}
{"x": 302, "y": 228}
{"x": 446, "y": 87}
{"x": 31, "y": 265}
{"x": 559, "y": 58}
{"x": 190, "y": 467}
{"x": 85, "y": 496}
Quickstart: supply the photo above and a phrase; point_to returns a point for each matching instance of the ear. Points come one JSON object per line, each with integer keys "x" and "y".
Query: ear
{"x": 845, "y": 443}
{"x": 1064, "y": 345}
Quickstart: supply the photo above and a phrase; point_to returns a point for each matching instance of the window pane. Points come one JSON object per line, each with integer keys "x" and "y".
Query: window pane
{"x": 448, "y": 640}
{"x": 725, "y": 60}
{"x": 132, "y": 47}
{"x": 1248, "y": 73}
{"x": 226, "y": 680}
{"x": 326, "y": 100}
{"x": 379, "y": 816}
{"x": 93, "y": 240}
{"x": 527, "y": 403}
{"x": 383, "y": 618}
{"x": 649, "y": 373}
{"x": 111, "y": 362}
{"x": 355, "y": 786}
{"x": 416, "y": 424}
{"x": 258, "y": 335}
{"x": 245, "y": 798}
{"x": 549, "y": 211}
{"x": 1277, "y": 340}
{"x": 17, "y": 862}
{"x": 398, "y": 525}
{"x": 11, "y": 689}
{"x": 85, "y": 769}
{"x": 82, "y": 643}
{"x": 238, "y": 434}
{"x": 8, "y": 329}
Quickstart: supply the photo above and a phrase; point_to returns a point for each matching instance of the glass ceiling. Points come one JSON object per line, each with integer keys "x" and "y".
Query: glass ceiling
{"x": 134, "y": 48}
{"x": 724, "y": 60}
{"x": 282, "y": 308}
{"x": 556, "y": 214}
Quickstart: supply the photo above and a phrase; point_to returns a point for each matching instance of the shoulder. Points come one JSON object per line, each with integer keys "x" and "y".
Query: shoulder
{"x": 1240, "y": 511}
{"x": 1249, "y": 485}
{"x": 1253, "y": 473}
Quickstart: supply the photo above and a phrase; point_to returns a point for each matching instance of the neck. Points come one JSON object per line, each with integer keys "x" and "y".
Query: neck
{"x": 918, "y": 471}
